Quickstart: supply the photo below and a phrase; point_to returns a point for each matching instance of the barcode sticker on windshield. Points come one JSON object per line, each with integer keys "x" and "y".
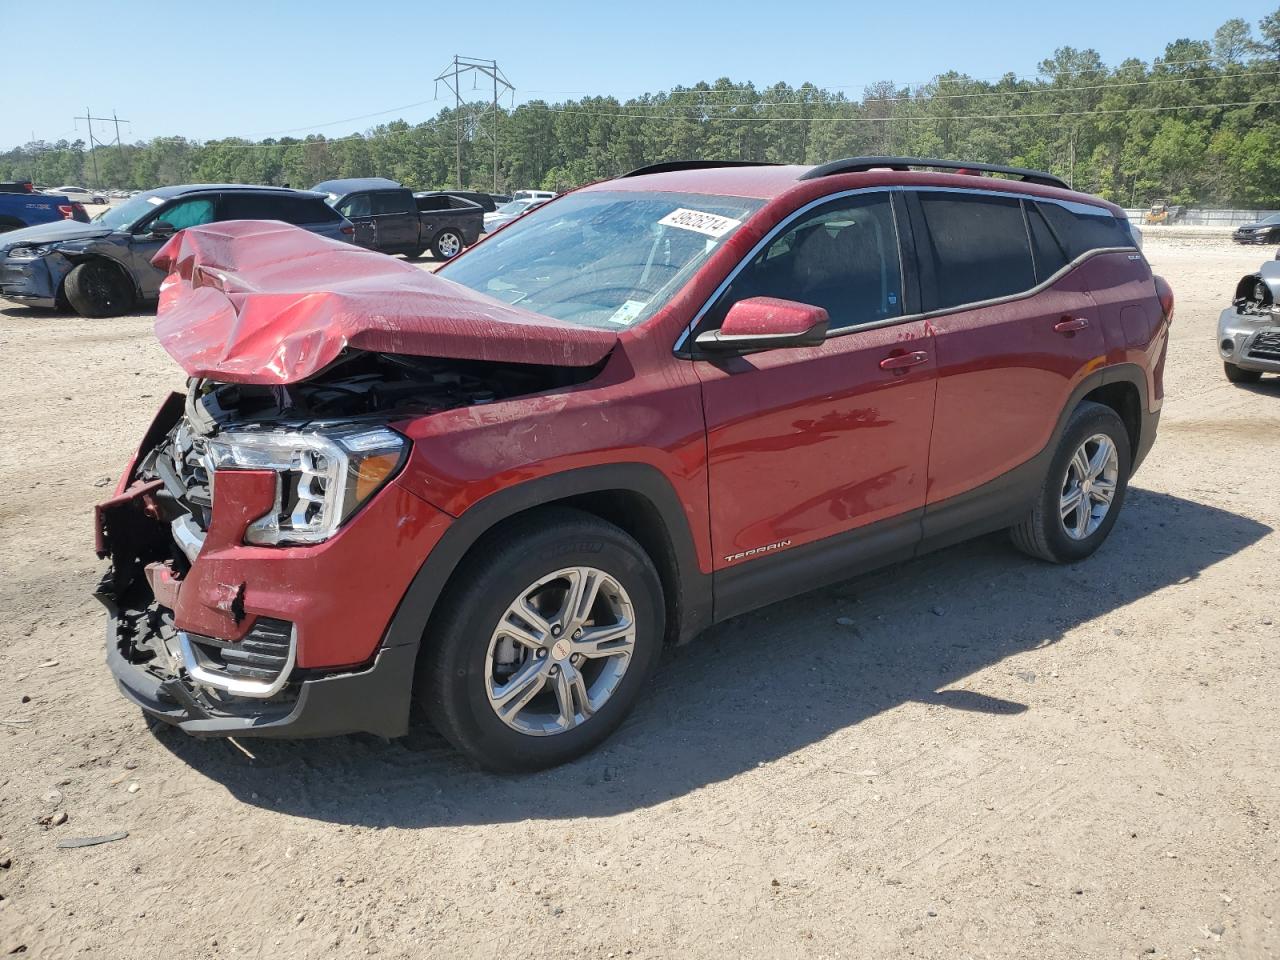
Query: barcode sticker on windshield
{"x": 710, "y": 224}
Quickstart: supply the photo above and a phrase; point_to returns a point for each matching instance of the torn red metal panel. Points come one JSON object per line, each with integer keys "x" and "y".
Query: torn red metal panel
{"x": 252, "y": 302}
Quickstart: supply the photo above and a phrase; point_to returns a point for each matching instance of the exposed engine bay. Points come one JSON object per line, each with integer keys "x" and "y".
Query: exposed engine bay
{"x": 361, "y": 384}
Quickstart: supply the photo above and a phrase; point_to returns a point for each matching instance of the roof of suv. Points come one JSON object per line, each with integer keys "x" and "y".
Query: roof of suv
{"x": 767, "y": 181}
{"x": 351, "y": 184}
{"x": 185, "y": 188}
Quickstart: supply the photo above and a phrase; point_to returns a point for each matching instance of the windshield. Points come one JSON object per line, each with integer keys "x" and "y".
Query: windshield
{"x": 601, "y": 259}
{"x": 1274, "y": 218}
{"x": 130, "y": 212}
{"x": 515, "y": 206}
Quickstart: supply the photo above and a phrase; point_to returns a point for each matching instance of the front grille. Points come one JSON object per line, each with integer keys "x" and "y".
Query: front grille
{"x": 184, "y": 468}
{"x": 1265, "y": 346}
{"x": 261, "y": 656}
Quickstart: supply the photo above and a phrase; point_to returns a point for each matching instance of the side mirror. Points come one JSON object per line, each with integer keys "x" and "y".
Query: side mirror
{"x": 767, "y": 323}
{"x": 161, "y": 229}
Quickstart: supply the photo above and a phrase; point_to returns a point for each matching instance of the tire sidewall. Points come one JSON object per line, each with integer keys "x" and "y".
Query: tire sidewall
{"x": 88, "y": 304}
{"x": 465, "y": 649}
{"x": 1089, "y": 420}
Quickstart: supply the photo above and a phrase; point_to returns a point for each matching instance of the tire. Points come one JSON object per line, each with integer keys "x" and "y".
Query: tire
{"x": 99, "y": 289}
{"x": 464, "y": 667}
{"x": 1044, "y": 533}
{"x": 447, "y": 245}
{"x": 1240, "y": 375}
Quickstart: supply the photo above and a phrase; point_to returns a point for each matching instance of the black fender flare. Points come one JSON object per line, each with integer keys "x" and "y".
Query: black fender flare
{"x": 694, "y": 594}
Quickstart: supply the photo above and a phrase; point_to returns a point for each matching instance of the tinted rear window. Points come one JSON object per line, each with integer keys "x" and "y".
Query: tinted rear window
{"x": 265, "y": 206}
{"x": 1082, "y": 227}
{"x": 392, "y": 201}
{"x": 977, "y": 247}
{"x": 1049, "y": 254}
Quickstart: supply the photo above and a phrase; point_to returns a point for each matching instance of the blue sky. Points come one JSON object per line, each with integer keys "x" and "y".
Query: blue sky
{"x": 214, "y": 69}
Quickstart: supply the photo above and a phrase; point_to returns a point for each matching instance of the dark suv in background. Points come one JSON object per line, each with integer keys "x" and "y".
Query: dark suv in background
{"x": 103, "y": 268}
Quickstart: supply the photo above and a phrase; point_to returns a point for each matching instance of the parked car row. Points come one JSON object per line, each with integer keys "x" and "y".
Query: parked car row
{"x": 103, "y": 268}
{"x": 53, "y": 256}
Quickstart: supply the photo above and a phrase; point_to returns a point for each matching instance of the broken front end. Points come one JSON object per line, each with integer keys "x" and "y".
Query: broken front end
{"x": 259, "y": 547}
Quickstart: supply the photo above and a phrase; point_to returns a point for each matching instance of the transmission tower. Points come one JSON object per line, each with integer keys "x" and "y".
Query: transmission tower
{"x": 89, "y": 118}
{"x": 450, "y": 77}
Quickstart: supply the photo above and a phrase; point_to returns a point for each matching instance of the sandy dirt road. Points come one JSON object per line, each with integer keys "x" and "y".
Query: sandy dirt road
{"x": 998, "y": 758}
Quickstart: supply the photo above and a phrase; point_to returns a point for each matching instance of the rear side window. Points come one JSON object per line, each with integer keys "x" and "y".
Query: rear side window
{"x": 249, "y": 206}
{"x": 842, "y": 257}
{"x": 1049, "y": 254}
{"x": 977, "y": 248}
{"x": 391, "y": 201}
{"x": 357, "y": 205}
{"x": 1082, "y": 227}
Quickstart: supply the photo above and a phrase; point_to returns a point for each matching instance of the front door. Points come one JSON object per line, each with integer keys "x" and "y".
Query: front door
{"x": 807, "y": 445}
{"x": 181, "y": 213}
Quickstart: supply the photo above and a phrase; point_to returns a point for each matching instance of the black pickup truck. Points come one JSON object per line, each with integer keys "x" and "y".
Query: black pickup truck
{"x": 388, "y": 217}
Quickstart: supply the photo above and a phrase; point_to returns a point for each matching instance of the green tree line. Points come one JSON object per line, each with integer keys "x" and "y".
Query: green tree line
{"x": 1198, "y": 125}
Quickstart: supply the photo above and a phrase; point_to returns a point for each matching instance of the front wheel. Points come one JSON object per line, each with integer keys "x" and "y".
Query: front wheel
{"x": 446, "y": 245}
{"x": 1239, "y": 374}
{"x": 99, "y": 289}
{"x": 544, "y": 642}
{"x": 1083, "y": 491}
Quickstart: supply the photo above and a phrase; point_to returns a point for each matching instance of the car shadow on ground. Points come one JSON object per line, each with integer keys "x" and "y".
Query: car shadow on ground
{"x": 763, "y": 685}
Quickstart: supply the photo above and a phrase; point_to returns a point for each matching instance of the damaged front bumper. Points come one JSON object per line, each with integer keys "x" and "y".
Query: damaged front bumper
{"x": 222, "y": 638}
{"x": 34, "y": 282}
{"x": 374, "y": 700}
{"x": 1250, "y": 340}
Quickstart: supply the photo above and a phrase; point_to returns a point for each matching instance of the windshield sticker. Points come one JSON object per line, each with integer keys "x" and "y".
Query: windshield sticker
{"x": 155, "y": 201}
{"x": 627, "y": 312}
{"x": 709, "y": 224}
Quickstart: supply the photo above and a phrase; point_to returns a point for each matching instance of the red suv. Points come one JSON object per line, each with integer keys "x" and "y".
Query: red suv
{"x": 660, "y": 401}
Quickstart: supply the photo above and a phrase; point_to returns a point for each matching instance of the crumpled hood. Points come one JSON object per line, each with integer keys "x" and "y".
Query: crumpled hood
{"x": 53, "y": 232}
{"x": 255, "y": 302}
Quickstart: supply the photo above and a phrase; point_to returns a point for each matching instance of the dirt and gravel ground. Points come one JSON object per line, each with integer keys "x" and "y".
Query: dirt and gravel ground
{"x": 997, "y": 759}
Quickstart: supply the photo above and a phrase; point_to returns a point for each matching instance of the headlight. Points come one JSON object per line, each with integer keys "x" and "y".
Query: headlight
{"x": 321, "y": 478}
{"x": 29, "y": 253}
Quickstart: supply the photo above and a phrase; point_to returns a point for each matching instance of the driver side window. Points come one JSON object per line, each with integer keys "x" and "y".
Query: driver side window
{"x": 843, "y": 256}
{"x": 188, "y": 213}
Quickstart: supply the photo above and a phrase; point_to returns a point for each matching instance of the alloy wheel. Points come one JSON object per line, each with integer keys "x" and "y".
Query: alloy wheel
{"x": 1089, "y": 487}
{"x": 559, "y": 651}
{"x": 448, "y": 245}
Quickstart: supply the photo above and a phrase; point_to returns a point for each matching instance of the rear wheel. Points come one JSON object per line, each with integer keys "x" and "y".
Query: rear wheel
{"x": 99, "y": 289}
{"x": 1239, "y": 374}
{"x": 446, "y": 245}
{"x": 1083, "y": 491}
{"x": 544, "y": 643}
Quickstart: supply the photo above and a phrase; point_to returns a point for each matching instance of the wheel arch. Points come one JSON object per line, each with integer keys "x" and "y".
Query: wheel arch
{"x": 76, "y": 257}
{"x": 636, "y": 497}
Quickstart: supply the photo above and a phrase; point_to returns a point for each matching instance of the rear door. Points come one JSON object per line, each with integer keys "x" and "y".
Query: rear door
{"x": 395, "y": 216}
{"x": 807, "y": 445}
{"x": 1014, "y": 333}
{"x": 358, "y": 208}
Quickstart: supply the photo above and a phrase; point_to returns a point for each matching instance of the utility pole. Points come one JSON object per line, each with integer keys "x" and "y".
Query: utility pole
{"x": 89, "y": 118}
{"x": 450, "y": 77}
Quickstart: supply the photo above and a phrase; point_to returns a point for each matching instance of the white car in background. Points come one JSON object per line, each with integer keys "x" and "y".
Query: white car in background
{"x": 519, "y": 205}
{"x": 81, "y": 193}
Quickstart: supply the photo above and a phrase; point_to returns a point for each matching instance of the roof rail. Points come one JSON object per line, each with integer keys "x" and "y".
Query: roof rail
{"x": 669, "y": 166}
{"x": 862, "y": 164}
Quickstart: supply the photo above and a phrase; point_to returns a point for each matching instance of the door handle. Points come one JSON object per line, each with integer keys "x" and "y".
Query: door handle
{"x": 1070, "y": 324}
{"x": 903, "y": 360}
